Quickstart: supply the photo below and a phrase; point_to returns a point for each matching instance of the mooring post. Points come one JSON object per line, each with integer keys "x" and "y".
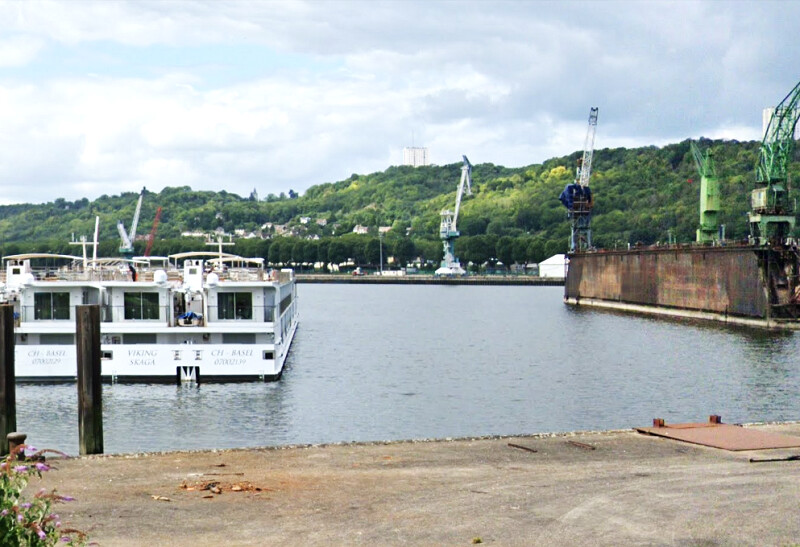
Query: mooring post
{"x": 90, "y": 394}
{"x": 8, "y": 394}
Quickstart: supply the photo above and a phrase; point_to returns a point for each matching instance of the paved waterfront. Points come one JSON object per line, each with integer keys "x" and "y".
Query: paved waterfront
{"x": 629, "y": 490}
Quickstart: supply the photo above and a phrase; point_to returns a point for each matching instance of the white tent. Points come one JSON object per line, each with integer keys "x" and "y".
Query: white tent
{"x": 555, "y": 266}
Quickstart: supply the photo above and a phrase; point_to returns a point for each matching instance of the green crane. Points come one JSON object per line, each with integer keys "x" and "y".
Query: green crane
{"x": 707, "y": 232}
{"x": 772, "y": 217}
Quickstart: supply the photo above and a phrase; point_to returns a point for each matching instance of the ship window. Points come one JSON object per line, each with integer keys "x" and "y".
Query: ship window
{"x": 235, "y": 305}
{"x": 238, "y": 338}
{"x": 107, "y": 355}
{"x": 57, "y": 339}
{"x": 141, "y": 305}
{"x": 269, "y": 355}
{"x": 139, "y": 338}
{"x": 51, "y": 305}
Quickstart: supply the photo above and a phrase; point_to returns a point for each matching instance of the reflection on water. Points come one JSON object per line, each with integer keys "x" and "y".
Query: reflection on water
{"x": 396, "y": 362}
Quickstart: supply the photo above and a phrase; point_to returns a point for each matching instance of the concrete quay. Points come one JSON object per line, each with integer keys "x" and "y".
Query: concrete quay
{"x": 592, "y": 488}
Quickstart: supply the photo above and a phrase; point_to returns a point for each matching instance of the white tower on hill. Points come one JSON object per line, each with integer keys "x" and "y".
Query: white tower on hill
{"x": 415, "y": 156}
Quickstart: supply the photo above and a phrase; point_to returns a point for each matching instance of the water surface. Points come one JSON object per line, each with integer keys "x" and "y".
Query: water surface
{"x": 391, "y": 362}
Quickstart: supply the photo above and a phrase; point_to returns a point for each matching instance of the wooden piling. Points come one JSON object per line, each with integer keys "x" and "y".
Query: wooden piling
{"x": 90, "y": 395}
{"x": 8, "y": 397}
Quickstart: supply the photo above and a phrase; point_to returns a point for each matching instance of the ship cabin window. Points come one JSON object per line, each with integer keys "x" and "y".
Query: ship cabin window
{"x": 235, "y": 305}
{"x": 57, "y": 339}
{"x": 51, "y": 305}
{"x": 139, "y": 338}
{"x": 238, "y": 338}
{"x": 141, "y": 305}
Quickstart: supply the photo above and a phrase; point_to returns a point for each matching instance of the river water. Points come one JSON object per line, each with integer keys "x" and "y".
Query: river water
{"x": 389, "y": 362}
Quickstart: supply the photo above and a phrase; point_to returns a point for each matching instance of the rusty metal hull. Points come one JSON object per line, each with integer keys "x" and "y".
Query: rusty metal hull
{"x": 738, "y": 284}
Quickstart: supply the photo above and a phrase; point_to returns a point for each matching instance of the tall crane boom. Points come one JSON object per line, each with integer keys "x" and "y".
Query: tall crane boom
{"x": 126, "y": 247}
{"x": 466, "y": 180}
{"x": 448, "y": 230}
{"x": 771, "y": 217}
{"x": 588, "y": 149}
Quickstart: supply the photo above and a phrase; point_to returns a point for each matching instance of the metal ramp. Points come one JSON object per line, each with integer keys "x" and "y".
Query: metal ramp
{"x": 718, "y": 435}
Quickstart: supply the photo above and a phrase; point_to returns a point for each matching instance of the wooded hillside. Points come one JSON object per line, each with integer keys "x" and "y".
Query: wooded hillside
{"x": 513, "y": 215}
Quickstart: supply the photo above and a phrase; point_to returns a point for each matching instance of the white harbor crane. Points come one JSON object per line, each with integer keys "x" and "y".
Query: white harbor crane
{"x": 448, "y": 230}
{"x": 126, "y": 247}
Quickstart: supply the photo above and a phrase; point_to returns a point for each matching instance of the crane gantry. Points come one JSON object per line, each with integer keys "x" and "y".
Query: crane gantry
{"x": 577, "y": 196}
{"x": 772, "y": 216}
{"x": 708, "y": 231}
{"x": 448, "y": 229}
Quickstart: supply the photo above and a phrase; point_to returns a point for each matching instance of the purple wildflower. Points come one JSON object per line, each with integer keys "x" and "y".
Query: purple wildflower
{"x": 67, "y": 498}
{"x": 42, "y": 466}
{"x": 65, "y": 539}
{"x": 4, "y": 512}
{"x": 20, "y": 468}
{"x": 41, "y": 534}
{"x": 25, "y": 505}
{"x": 20, "y": 518}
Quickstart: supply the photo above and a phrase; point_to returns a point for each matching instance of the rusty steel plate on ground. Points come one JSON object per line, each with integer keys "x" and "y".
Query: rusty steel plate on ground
{"x": 725, "y": 436}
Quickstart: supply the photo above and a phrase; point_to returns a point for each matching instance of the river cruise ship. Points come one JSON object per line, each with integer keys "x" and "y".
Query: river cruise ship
{"x": 195, "y": 316}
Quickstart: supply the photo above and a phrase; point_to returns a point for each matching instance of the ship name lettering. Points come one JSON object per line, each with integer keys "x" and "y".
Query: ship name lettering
{"x": 142, "y": 362}
{"x": 142, "y": 352}
{"x": 241, "y": 353}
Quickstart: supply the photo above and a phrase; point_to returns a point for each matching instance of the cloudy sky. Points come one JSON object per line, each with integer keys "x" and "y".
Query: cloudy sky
{"x": 109, "y": 96}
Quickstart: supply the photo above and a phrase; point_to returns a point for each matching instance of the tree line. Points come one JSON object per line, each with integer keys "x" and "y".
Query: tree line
{"x": 642, "y": 195}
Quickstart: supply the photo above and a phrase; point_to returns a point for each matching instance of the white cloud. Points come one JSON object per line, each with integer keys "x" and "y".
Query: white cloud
{"x": 18, "y": 50}
{"x": 103, "y": 97}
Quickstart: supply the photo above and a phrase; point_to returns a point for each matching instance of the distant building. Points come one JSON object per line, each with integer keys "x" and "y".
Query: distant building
{"x": 383, "y": 229}
{"x": 305, "y": 220}
{"x": 254, "y": 195}
{"x": 322, "y": 221}
{"x": 555, "y": 266}
{"x": 359, "y": 229}
{"x": 416, "y": 156}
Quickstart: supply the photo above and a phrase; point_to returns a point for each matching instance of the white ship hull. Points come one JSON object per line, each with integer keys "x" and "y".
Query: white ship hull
{"x": 159, "y": 362}
{"x": 192, "y": 325}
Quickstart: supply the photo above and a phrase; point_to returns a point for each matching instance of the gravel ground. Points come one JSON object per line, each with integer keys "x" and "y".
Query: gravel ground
{"x": 594, "y": 488}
